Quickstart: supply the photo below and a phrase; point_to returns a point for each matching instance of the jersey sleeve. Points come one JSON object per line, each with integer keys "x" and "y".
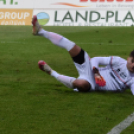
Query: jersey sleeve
{"x": 115, "y": 60}
{"x": 96, "y": 61}
{"x": 132, "y": 88}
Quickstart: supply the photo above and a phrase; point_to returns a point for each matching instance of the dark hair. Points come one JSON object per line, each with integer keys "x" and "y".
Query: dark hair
{"x": 132, "y": 54}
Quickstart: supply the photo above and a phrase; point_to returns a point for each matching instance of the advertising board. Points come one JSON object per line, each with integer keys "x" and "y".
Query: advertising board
{"x": 85, "y": 17}
{"x": 15, "y": 16}
{"x": 68, "y": 12}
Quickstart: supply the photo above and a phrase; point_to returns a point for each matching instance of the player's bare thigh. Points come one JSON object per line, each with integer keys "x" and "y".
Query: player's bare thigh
{"x": 75, "y": 51}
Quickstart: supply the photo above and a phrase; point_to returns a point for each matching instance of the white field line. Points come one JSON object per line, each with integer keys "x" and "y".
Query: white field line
{"x": 123, "y": 125}
{"x": 90, "y": 43}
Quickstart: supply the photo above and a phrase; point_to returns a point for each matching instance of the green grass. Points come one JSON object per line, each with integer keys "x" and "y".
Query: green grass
{"x": 31, "y": 102}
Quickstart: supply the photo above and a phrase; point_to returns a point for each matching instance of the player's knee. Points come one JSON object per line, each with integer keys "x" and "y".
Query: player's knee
{"x": 82, "y": 85}
{"x": 79, "y": 58}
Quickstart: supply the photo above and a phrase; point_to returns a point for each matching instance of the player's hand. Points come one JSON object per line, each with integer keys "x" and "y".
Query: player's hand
{"x": 98, "y": 78}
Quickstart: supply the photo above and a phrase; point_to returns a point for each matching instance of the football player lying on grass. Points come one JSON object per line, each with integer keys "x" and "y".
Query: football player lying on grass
{"x": 118, "y": 73}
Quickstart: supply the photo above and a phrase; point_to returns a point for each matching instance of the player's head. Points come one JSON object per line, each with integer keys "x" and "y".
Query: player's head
{"x": 130, "y": 62}
{"x": 131, "y": 54}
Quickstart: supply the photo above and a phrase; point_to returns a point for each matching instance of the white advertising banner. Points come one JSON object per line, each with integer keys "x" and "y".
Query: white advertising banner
{"x": 90, "y": 4}
{"x": 68, "y": 12}
{"x": 54, "y": 4}
{"x": 85, "y": 17}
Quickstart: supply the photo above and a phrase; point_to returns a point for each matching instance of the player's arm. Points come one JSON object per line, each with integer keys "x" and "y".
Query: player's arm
{"x": 95, "y": 62}
{"x": 132, "y": 88}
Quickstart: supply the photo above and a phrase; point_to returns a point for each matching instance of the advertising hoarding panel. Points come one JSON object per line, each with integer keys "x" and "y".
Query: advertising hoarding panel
{"x": 68, "y": 12}
{"x": 15, "y": 16}
{"x": 85, "y": 17}
{"x": 68, "y": 4}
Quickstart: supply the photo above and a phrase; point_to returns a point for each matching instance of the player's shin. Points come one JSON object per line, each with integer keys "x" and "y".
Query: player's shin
{"x": 66, "y": 80}
{"x": 57, "y": 39}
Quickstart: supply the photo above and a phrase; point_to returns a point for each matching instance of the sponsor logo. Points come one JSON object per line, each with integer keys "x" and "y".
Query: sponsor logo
{"x": 106, "y": 0}
{"x": 11, "y": 2}
{"x": 43, "y": 18}
{"x": 15, "y": 16}
{"x": 93, "y": 18}
{"x": 92, "y": 1}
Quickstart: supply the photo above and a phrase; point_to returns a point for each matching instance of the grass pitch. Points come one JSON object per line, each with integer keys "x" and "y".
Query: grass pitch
{"x": 32, "y": 102}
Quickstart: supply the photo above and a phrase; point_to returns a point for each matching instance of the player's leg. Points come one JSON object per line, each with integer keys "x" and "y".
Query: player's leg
{"x": 75, "y": 52}
{"x": 55, "y": 38}
{"x": 68, "y": 81}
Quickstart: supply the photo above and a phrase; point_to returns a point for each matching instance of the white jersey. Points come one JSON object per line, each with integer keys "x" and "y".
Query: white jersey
{"x": 116, "y": 75}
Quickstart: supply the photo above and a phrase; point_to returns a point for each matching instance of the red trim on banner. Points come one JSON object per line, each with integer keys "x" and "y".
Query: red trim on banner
{"x": 68, "y": 4}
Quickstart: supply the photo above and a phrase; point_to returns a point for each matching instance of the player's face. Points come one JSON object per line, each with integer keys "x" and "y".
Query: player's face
{"x": 130, "y": 64}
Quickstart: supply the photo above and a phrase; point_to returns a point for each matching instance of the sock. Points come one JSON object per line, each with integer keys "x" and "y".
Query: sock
{"x": 57, "y": 39}
{"x": 66, "y": 80}
{"x": 76, "y": 90}
{"x": 54, "y": 74}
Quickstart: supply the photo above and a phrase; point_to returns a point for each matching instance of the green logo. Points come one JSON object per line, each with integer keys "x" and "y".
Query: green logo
{"x": 43, "y": 18}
